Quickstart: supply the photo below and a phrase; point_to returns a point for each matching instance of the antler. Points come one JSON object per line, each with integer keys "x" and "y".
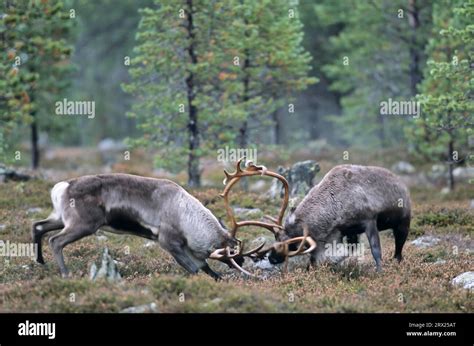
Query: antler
{"x": 282, "y": 247}
{"x": 250, "y": 170}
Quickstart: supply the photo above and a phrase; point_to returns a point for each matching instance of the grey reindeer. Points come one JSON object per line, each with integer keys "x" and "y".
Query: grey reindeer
{"x": 351, "y": 200}
{"x": 157, "y": 209}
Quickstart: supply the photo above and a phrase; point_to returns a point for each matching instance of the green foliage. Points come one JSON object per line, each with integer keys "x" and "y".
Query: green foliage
{"x": 447, "y": 90}
{"x": 34, "y": 62}
{"x": 371, "y": 63}
{"x": 241, "y": 71}
{"x": 159, "y": 72}
{"x": 446, "y": 217}
{"x": 267, "y": 38}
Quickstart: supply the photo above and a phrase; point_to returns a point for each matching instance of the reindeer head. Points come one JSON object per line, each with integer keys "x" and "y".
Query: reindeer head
{"x": 283, "y": 248}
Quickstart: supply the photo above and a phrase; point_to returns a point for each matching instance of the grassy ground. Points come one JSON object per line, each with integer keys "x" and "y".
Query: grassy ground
{"x": 419, "y": 284}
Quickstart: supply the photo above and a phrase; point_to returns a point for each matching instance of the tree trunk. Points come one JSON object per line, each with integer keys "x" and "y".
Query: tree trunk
{"x": 450, "y": 164}
{"x": 277, "y": 127}
{"x": 35, "y": 154}
{"x": 194, "y": 175}
{"x": 243, "y": 130}
{"x": 414, "y": 22}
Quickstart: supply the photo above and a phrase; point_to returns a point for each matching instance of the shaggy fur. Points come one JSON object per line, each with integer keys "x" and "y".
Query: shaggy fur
{"x": 350, "y": 200}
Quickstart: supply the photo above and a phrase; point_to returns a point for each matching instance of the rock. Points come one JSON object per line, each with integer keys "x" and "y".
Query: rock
{"x": 425, "y": 241}
{"x": 445, "y": 191}
{"x": 440, "y": 261}
{"x": 264, "y": 264}
{"x": 33, "y": 211}
{"x": 110, "y": 149}
{"x": 109, "y": 144}
{"x": 216, "y": 301}
{"x": 93, "y": 271}
{"x": 267, "y": 239}
{"x": 108, "y": 269}
{"x": 7, "y": 174}
{"x": 2, "y": 227}
{"x": 140, "y": 309}
{"x": 466, "y": 280}
{"x": 102, "y": 238}
{"x": 258, "y": 186}
{"x": 403, "y": 167}
{"x": 300, "y": 178}
{"x": 463, "y": 172}
{"x": 150, "y": 243}
{"x": 418, "y": 180}
{"x": 247, "y": 212}
{"x": 471, "y": 206}
{"x": 263, "y": 268}
{"x": 438, "y": 172}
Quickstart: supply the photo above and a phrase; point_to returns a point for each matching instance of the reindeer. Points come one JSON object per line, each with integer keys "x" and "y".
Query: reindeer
{"x": 156, "y": 209}
{"x": 348, "y": 201}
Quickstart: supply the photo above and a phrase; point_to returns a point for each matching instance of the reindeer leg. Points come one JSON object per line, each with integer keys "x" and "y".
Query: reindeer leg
{"x": 373, "y": 236}
{"x": 176, "y": 247}
{"x": 211, "y": 272}
{"x": 65, "y": 237}
{"x": 183, "y": 260}
{"x": 400, "y": 232}
{"x": 318, "y": 256}
{"x": 38, "y": 229}
{"x": 201, "y": 263}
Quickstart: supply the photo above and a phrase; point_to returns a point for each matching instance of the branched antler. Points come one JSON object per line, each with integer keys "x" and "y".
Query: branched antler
{"x": 230, "y": 254}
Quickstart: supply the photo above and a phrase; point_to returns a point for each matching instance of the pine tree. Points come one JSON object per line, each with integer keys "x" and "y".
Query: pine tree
{"x": 379, "y": 53}
{"x": 266, "y": 39}
{"x": 35, "y": 62}
{"x": 447, "y": 91}
{"x": 171, "y": 80}
{"x": 199, "y": 79}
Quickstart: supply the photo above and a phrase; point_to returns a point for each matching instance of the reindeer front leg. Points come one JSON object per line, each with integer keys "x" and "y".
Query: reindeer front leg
{"x": 374, "y": 240}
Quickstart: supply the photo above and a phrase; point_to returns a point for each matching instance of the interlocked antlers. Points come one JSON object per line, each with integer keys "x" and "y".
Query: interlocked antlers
{"x": 282, "y": 248}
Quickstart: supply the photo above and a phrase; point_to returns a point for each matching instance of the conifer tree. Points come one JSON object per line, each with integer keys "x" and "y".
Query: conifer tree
{"x": 448, "y": 89}
{"x": 35, "y": 63}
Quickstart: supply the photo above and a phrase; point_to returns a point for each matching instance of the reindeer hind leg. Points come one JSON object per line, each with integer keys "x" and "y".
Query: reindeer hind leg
{"x": 68, "y": 235}
{"x": 39, "y": 229}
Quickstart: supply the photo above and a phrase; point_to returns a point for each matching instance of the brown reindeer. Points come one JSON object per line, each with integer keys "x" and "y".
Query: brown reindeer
{"x": 348, "y": 201}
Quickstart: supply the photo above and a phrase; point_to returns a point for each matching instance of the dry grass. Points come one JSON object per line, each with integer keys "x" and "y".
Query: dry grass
{"x": 419, "y": 284}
